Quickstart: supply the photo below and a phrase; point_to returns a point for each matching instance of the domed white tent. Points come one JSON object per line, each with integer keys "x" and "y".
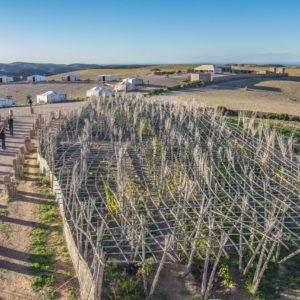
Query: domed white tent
{"x": 106, "y": 77}
{"x": 71, "y": 77}
{"x": 50, "y": 97}
{"x": 135, "y": 80}
{"x": 125, "y": 86}
{"x": 6, "y": 79}
{"x": 98, "y": 91}
{"x": 36, "y": 78}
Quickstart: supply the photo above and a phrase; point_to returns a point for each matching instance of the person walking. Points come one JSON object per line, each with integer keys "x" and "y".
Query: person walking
{"x": 11, "y": 125}
{"x": 2, "y": 137}
{"x": 29, "y": 99}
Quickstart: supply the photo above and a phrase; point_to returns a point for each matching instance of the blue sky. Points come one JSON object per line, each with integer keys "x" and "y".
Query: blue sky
{"x": 150, "y": 31}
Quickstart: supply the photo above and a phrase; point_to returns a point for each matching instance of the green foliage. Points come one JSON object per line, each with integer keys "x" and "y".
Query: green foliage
{"x": 112, "y": 203}
{"x": 224, "y": 272}
{"x": 146, "y": 269}
{"x": 154, "y": 92}
{"x": 41, "y": 261}
{"x": 73, "y": 292}
{"x": 121, "y": 285}
{"x": 175, "y": 87}
{"x": 127, "y": 289}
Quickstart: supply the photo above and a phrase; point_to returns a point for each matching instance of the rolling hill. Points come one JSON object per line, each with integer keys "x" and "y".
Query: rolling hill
{"x": 18, "y": 69}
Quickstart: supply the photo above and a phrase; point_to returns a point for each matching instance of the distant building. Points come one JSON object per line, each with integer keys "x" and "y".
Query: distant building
{"x": 125, "y": 86}
{"x": 98, "y": 91}
{"x": 6, "y": 102}
{"x": 204, "y": 77}
{"x": 205, "y": 69}
{"x": 106, "y": 77}
{"x": 36, "y": 78}
{"x": 276, "y": 70}
{"x": 6, "y": 79}
{"x": 51, "y": 97}
{"x": 71, "y": 77}
{"x": 227, "y": 69}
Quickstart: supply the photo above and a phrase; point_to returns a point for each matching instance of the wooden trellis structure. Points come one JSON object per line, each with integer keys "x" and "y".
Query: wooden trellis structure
{"x": 141, "y": 178}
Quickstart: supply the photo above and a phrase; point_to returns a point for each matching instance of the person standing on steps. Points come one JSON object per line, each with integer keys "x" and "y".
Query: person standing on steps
{"x": 2, "y": 137}
{"x": 29, "y": 100}
{"x": 11, "y": 125}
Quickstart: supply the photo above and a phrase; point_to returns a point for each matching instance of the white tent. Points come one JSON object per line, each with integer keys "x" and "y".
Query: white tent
{"x": 71, "y": 77}
{"x": 106, "y": 77}
{"x": 50, "y": 97}
{"x": 6, "y": 102}
{"x": 125, "y": 86}
{"x": 98, "y": 91}
{"x": 6, "y": 79}
{"x": 135, "y": 80}
{"x": 36, "y": 78}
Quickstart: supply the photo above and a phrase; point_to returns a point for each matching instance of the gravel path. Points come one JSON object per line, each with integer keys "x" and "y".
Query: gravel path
{"x": 17, "y": 219}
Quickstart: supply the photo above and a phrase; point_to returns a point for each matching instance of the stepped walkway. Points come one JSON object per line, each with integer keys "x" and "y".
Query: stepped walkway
{"x": 23, "y": 121}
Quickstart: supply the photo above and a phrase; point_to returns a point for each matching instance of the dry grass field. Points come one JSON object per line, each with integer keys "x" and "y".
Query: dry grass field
{"x": 92, "y": 73}
{"x": 19, "y": 91}
{"x": 278, "y": 96}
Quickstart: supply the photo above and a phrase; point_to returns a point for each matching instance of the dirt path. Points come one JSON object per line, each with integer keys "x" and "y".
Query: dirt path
{"x": 17, "y": 219}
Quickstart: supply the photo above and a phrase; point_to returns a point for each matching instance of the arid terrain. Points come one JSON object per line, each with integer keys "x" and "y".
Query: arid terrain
{"x": 278, "y": 96}
{"x": 19, "y": 91}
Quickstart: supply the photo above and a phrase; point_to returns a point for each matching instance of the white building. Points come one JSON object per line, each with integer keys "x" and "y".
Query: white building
{"x": 6, "y": 79}
{"x": 125, "y": 86}
{"x": 97, "y": 92}
{"x": 71, "y": 77}
{"x": 51, "y": 97}
{"x": 135, "y": 80}
{"x": 6, "y": 102}
{"x": 106, "y": 77}
{"x": 36, "y": 78}
{"x": 205, "y": 69}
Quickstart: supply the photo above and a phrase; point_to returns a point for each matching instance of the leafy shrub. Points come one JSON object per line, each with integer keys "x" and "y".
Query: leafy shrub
{"x": 283, "y": 116}
{"x": 224, "y": 272}
{"x": 295, "y": 119}
{"x": 121, "y": 285}
{"x": 156, "y": 92}
{"x": 274, "y": 116}
{"x": 127, "y": 289}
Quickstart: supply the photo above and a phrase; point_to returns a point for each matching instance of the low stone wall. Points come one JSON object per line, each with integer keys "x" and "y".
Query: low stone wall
{"x": 225, "y": 78}
{"x": 85, "y": 277}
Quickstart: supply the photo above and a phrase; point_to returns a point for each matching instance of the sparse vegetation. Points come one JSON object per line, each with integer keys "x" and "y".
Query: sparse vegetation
{"x": 185, "y": 184}
{"x": 46, "y": 244}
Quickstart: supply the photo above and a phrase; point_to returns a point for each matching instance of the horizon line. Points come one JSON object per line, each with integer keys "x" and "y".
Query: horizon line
{"x": 296, "y": 64}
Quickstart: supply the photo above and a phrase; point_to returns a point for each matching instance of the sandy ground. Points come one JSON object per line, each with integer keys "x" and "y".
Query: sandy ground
{"x": 77, "y": 90}
{"x": 278, "y": 96}
{"x": 19, "y": 91}
{"x": 17, "y": 220}
{"x": 19, "y": 217}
